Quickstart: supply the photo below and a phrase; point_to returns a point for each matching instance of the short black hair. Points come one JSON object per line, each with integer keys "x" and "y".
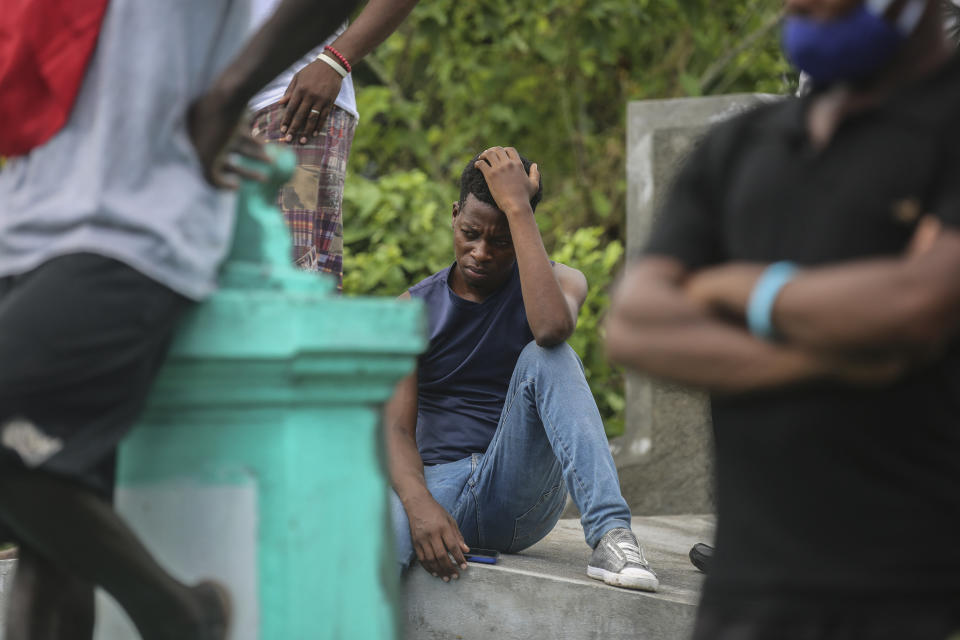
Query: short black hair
{"x": 472, "y": 181}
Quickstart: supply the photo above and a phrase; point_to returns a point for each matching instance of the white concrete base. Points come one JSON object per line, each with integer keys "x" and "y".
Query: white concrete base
{"x": 166, "y": 520}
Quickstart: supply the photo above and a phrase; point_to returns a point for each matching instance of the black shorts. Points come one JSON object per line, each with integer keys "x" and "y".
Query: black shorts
{"x": 81, "y": 339}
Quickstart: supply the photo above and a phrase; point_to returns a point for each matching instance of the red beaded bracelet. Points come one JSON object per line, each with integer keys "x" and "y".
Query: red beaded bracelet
{"x": 339, "y": 56}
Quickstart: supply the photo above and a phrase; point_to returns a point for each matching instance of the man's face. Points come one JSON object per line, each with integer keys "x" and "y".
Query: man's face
{"x": 482, "y": 244}
{"x": 822, "y": 10}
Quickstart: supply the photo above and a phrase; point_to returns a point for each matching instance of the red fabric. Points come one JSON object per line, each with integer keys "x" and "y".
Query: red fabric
{"x": 45, "y": 46}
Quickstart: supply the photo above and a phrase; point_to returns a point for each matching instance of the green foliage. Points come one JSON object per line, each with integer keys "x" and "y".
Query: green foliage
{"x": 398, "y": 231}
{"x": 587, "y": 250}
{"x": 551, "y": 78}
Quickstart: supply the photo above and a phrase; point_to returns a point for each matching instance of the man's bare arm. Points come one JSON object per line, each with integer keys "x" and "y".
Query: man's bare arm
{"x": 433, "y": 531}
{"x": 904, "y": 304}
{"x": 314, "y": 89}
{"x": 654, "y": 327}
{"x": 551, "y": 316}
{"x": 406, "y": 466}
{"x": 911, "y": 302}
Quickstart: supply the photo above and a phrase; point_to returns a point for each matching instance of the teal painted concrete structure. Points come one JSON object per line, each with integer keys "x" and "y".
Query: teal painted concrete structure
{"x": 262, "y": 437}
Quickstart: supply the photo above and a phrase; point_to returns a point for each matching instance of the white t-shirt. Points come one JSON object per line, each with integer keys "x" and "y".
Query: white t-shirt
{"x": 121, "y": 178}
{"x": 260, "y": 10}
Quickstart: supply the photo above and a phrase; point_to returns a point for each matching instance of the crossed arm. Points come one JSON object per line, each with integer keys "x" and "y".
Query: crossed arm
{"x": 654, "y": 326}
{"x": 861, "y": 322}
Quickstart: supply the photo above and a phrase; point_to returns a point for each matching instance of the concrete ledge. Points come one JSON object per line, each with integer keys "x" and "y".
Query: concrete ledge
{"x": 544, "y": 593}
{"x": 7, "y": 567}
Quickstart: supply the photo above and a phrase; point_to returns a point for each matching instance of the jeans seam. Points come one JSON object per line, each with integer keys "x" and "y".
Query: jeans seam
{"x": 476, "y": 506}
{"x": 521, "y": 385}
{"x": 573, "y": 469}
{"x": 503, "y": 418}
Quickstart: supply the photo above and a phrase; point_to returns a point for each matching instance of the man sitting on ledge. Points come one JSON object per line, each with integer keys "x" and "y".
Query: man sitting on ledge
{"x": 498, "y": 422}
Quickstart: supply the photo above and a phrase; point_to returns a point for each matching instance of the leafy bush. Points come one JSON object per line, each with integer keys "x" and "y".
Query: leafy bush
{"x": 587, "y": 250}
{"x": 396, "y": 231}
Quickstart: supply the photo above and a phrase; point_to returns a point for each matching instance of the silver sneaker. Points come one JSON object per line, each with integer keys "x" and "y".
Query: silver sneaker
{"x": 618, "y": 560}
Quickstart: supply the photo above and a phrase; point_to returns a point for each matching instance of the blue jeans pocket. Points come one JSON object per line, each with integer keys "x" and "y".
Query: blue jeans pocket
{"x": 536, "y": 523}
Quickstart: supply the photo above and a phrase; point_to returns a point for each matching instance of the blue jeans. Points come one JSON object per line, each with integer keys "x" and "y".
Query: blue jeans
{"x": 550, "y": 440}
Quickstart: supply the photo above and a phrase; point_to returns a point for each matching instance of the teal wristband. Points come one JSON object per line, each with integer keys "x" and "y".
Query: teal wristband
{"x": 764, "y": 294}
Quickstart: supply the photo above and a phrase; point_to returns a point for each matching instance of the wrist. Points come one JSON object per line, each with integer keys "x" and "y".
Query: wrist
{"x": 413, "y": 497}
{"x": 339, "y": 57}
{"x": 326, "y": 59}
{"x": 327, "y": 72}
{"x": 517, "y": 209}
{"x": 764, "y": 295}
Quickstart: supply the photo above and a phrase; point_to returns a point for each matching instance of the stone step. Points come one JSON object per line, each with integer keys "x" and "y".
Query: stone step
{"x": 544, "y": 592}
{"x": 7, "y": 567}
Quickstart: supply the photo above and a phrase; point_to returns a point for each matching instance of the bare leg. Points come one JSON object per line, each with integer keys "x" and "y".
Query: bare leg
{"x": 47, "y": 604}
{"x": 76, "y": 611}
{"x": 31, "y": 610}
{"x": 76, "y": 531}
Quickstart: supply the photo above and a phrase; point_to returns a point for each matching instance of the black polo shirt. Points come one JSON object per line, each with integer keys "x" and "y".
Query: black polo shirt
{"x": 828, "y": 493}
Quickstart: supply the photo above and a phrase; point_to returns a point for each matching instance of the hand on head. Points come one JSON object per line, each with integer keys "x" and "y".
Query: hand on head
{"x": 509, "y": 183}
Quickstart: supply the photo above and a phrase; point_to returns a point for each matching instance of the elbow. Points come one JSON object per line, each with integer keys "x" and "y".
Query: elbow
{"x": 551, "y": 338}
{"x": 928, "y": 320}
{"x": 554, "y": 334}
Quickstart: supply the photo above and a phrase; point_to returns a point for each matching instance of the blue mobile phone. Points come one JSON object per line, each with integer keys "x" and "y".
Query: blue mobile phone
{"x": 484, "y": 556}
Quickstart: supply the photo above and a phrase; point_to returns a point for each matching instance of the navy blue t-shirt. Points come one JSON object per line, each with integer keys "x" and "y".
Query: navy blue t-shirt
{"x": 464, "y": 375}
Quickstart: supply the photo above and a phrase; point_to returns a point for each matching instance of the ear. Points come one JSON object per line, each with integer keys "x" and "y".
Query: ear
{"x": 456, "y": 211}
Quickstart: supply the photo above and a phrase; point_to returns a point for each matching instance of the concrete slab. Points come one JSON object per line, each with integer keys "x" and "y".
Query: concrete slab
{"x": 544, "y": 592}
{"x": 665, "y": 456}
{"x": 7, "y": 568}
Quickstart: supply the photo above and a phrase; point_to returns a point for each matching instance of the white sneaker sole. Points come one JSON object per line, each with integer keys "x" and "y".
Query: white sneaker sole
{"x": 632, "y": 579}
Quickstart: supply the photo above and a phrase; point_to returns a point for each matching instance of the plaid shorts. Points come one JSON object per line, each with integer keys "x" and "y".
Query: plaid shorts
{"x": 311, "y": 202}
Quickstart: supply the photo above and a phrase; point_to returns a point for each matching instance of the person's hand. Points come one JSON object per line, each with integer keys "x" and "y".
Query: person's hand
{"x": 928, "y": 229}
{"x": 861, "y": 372}
{"x": 309, "y": 99}
{"x": 223, "y": 142}
{"x": 726, "y": 288}
{"x": 436, "y": 537}
{"x": 509, "y": 184}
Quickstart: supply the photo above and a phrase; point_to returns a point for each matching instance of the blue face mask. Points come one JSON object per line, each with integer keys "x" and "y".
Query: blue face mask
{"x": 852, "y": 47}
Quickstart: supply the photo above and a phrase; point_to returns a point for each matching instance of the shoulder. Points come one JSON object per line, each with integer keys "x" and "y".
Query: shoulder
{"x": 572, "y": 281}
{"x": 563, "y": 272}
{"x": 731, "y": 133}
{"x": 716, "y": 155}
{"x": 428, "y": 284}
